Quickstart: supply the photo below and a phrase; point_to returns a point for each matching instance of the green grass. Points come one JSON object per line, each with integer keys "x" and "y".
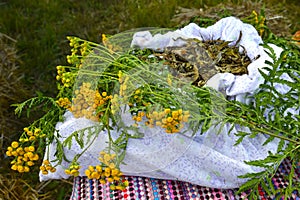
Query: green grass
{"x": 40, "y": 27}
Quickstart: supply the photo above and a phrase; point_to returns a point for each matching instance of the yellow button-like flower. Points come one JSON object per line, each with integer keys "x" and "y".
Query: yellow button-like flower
{"x": 32, "y": 138}
{"x": 99, "y": 168}
{"x": 91, "y": 168}
{"x": 44, "y": 172}
{"x": 111, "y": 165}
{"x": 14, "y": 153}
{"x": 14, "y": 167}
{"x": 95, "y": 175}
{"x": 14, "y": 144}
{"x": 31, "y": 148}
{"x": 115, "y": 172}
{"x": 35, "y": 157}
{"x": 109, "y": 179}
{"x": 8, "y": 153}
{"x": 20, "y": 168}
{"x": 169, "y": 119}
{"x": 29, "y": 133}
{"x": 104, "y": 94}
{"x": 10, "y": 149}
{"x": 167, "y": 110}
{"x": 106, "y": 158}
{"x": 87, "y": 173}
{"x": 30, "y": 163}
{"x": 46, "y": 162}
{"x": 26, "y": 169}
{"x": 53, "y": 169}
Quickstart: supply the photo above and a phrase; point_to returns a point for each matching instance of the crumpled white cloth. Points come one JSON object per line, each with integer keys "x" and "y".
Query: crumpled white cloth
{"x": 207, "y": 159}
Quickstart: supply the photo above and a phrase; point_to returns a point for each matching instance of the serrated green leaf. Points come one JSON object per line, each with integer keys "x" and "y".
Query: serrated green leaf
{"x": 252, "y": 175}
{"x": 249, "y": 185}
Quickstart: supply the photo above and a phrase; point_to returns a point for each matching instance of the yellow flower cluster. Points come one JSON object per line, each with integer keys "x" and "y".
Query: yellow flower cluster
{"x": 47, "y": 167}
{"x": 85, "y": 49}
{"x": 64, "y": 102}
{"x": 25, "y": 157}
{"x": 171, "y": 121}
{"x": 115, "y": 106}
{"x": 66, "y": 78}
{"x": 31, "y": 135}
{"x": 111, "y": 48}
{"x": 107, "y": 172}
{"x": 73, "y": 170}
{"x": 260, "y": 22}
{"x": 138, "y": 117}
{"x": 80, "y": 49}
{"x": 123, "y": 80}
{"x": 87, "y": 101}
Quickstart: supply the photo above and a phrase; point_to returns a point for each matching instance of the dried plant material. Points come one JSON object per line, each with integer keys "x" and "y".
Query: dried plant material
{"x": 197, "y": 61}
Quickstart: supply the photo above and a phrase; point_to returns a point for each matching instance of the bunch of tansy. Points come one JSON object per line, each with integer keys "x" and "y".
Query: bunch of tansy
{"x": 107, "y": 171}
{"x": 24, "y": 151}
{"x": 171, "y": 120}
{"x": 24, "y": 157}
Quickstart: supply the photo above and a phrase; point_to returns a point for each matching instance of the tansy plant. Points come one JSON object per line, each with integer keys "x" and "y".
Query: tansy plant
{"x": 103, "y": 81}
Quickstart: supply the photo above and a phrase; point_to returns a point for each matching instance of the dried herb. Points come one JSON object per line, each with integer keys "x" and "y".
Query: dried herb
{"x": 197, "y": 61}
